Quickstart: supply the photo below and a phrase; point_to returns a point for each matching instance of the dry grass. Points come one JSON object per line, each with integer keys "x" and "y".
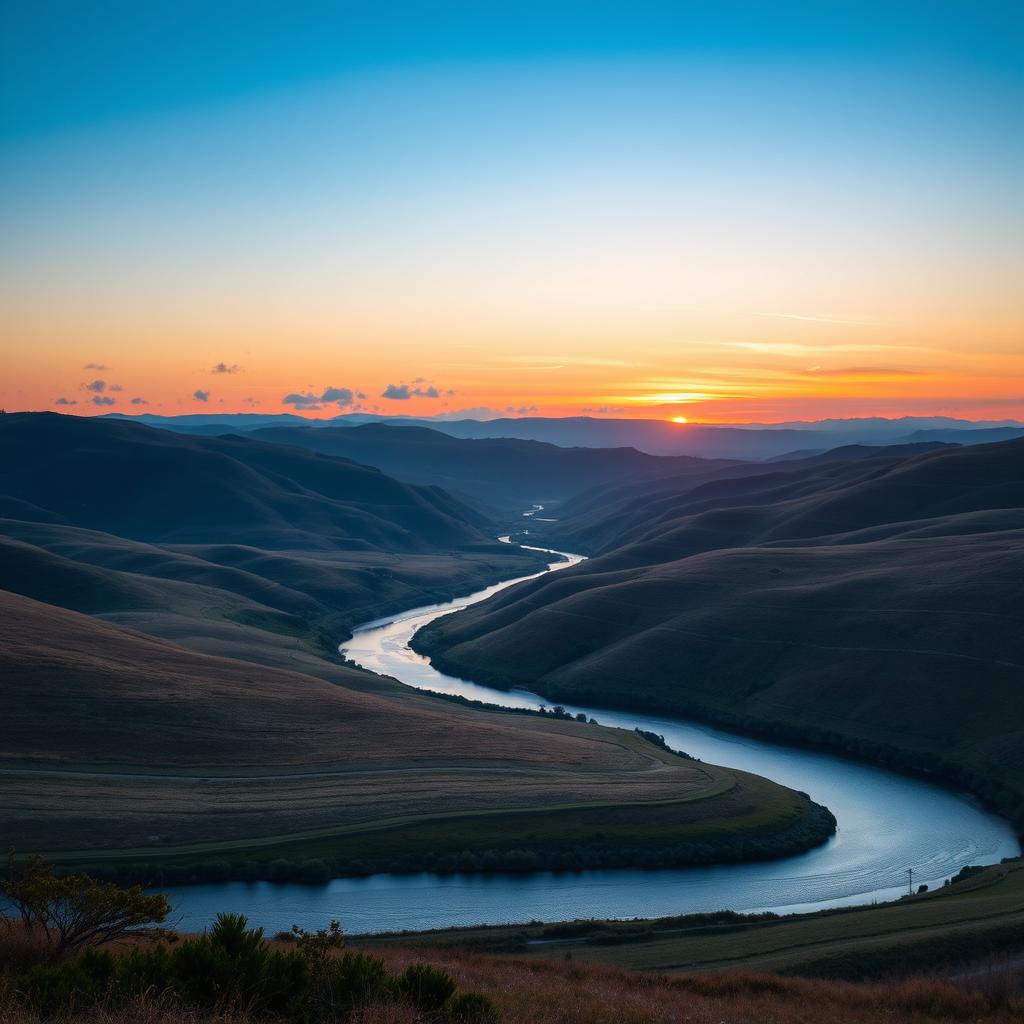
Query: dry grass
{"x": 556, "y": 992}
{"x": 535, "y": 990}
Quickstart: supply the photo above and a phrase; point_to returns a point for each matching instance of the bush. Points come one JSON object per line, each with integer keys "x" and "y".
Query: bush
{"x": 425, "y": 987}
{"x": 75, "y": 911}
{"x": 233, "y": 969}
{"x": 471, "y": 1008}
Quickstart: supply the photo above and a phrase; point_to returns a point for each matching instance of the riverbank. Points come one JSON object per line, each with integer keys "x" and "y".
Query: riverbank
{"x": 994, "y": 794}
{"x": 979, "y": 916}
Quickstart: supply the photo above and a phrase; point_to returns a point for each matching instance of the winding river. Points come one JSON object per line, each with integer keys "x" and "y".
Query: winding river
{"x": 887, "y": 824}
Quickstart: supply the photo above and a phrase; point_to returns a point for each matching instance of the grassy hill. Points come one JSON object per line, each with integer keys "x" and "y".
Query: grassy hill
{"x": 154, "y": 485}
{"x": 120, "y": 748}
{"x": 873, "y": 607}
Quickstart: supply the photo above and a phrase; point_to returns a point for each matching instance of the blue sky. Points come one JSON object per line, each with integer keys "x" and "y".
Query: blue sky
{"x": 73, "y": 63}
{"x": 342, "y": 194}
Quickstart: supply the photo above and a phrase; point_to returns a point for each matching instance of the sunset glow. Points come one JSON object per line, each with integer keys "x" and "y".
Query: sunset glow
{"x": 606, "y": 215}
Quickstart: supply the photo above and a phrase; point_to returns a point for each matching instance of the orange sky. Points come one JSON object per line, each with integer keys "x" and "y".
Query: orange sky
{"x": 726, "y": 366}
{"x": 721, "y": 239}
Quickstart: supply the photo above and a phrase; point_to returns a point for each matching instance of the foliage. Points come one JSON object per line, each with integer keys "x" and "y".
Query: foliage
{"x": 233, "y": 970}
{"x": 471, "y": 1008}
{"x": 426, "y": 987}
{"x": 76, "y": 911}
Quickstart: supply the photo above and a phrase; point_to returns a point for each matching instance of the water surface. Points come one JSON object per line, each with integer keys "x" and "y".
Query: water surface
{"x": 888, "y": 824}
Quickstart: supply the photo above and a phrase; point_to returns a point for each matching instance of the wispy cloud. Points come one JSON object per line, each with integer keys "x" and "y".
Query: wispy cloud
{"x": 856, "y": 321}
{"x": 862, "y": 371}
{"x": 225, "y": 368}
{"x": 200, "y": 395}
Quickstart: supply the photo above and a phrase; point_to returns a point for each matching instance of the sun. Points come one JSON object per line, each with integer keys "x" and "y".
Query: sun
{"x": 680, "y": 419}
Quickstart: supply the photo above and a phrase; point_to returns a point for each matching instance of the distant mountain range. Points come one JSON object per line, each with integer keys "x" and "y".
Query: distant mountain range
{"x": 869, "y": 604}
{"x": 653, "y": 437}
{"x": 501, "y": 473}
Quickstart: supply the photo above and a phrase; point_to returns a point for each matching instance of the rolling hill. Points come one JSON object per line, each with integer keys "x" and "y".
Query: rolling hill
{"x": 872, "y": 606}
{"x": 170, "y": 608}
{"x": 154, "y": 485}
{"x": 508, "y": 473}
{"x": 117, "y": 745}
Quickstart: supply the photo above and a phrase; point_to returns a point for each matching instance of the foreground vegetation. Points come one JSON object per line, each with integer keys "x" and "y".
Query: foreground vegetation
{"x": 72, "y": 954}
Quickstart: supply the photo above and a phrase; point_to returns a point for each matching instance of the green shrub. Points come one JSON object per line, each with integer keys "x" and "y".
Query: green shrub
{"x": 425, "y": 987}
{"x": 232, "y": 969}
{"x": 471, "y": 1008}
{"x": 354, "y": 980}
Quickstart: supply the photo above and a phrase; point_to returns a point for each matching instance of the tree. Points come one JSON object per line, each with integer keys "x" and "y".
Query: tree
{"x": 76, "y": 911}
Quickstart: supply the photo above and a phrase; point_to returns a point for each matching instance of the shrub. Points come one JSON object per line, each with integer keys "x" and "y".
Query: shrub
{"x": 76, "y": 910}
{"x": 471, "y": 1008}
{"x": 426, "y": 987}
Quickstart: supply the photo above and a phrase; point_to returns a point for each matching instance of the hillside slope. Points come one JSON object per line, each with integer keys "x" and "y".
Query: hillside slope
{"x": 874, "y": 607}
{"x": 154, "y": 485}
{"x": 118, "y": 743}
{"x": 507, "y": 472}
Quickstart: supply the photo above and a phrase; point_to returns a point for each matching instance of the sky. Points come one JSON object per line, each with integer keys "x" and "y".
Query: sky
{"x": 723, "y": 212}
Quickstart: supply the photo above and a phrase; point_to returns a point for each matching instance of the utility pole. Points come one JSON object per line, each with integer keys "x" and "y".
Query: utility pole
{"x": 910, "y": 881}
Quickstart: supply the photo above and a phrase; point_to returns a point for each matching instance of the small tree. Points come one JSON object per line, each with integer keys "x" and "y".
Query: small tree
{"x": 76, "y": 911}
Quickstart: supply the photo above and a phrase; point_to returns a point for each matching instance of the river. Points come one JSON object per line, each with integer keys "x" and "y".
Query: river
{"x": 888, "y": 824}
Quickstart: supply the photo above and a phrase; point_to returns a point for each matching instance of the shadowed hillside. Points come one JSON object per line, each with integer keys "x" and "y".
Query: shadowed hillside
{"x": 506, "y": 472}
{"x": 215, "y": 723}
{"x": 154, "y": 485}
{"x": 874, "y": 607}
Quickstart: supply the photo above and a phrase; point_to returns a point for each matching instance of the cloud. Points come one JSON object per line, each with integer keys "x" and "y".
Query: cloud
{"x": 340, "y": 396}
{"x": 103, "y": 400}
{"x": 96, "y": 386}
{"x": 95, "y": 366}
{"x": 225, "y": 368}
{"x": 403, "y": 392}
{"x": 343, "y": 398}
{"x": 251, "y": 401}
{"x": 603, "y": 410}
{"x": 861, "y": 321}
{"x": 66, "y": 401}
{"x": 116, "y": 387}
{"x": 862, "y": 371}
{"x": 139, "y": 401}
{"x": 200, "y": 395}
{"x": 522, "y": 410}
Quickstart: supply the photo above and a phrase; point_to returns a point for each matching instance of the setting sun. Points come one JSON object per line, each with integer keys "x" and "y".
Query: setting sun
{"x": 680, "y": 419}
